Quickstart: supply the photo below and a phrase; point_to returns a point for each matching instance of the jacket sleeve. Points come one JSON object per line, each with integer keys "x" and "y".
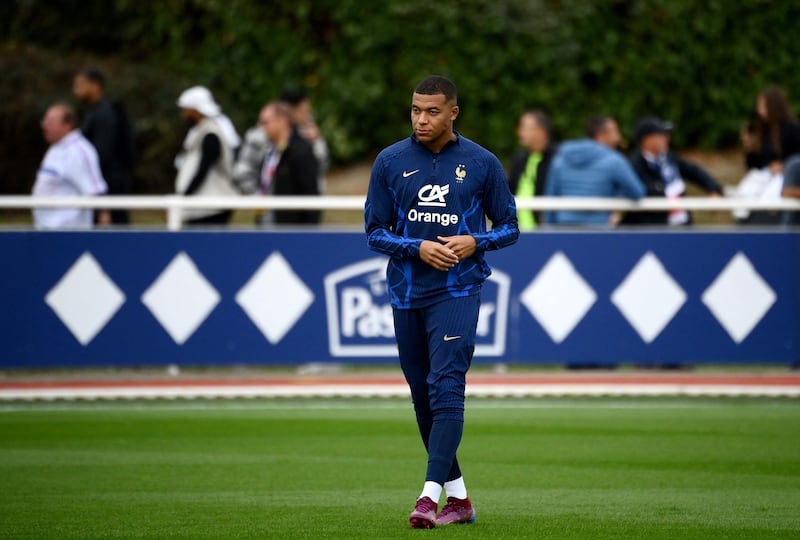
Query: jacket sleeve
{"x": 698, "y": 176}
{"x": 102, "y": 132}
{"x": 305, "y": 169}
{"x": 211, "y": 150}
{"x": 515, "y": 170}
{"x": 628, "y": 182}
{"x": 380, "y": 217}
{"x": 247, "y": 168}
{"x": 552, "y": 183}
{"x": 501, "y": 208}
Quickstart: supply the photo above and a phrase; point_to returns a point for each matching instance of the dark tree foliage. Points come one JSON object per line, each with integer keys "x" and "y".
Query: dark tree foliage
{"x": 699, "y": 64}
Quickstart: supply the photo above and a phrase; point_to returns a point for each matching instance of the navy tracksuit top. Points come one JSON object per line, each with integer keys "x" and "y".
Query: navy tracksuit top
{"x": 416, "y": 195}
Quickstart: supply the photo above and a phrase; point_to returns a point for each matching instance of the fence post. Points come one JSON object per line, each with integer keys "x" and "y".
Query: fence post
{"x": 174, "y": 214}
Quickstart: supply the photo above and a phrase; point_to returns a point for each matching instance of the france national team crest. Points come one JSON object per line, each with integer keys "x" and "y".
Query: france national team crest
{"x": 360, "y": 320}
{"x": 461, "y": 174}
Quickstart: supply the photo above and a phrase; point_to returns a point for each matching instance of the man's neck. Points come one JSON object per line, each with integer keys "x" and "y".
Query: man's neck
{"x": 437, "y": 145}
{"x": 283, "y": 141}
{"x": 65, "y": 136}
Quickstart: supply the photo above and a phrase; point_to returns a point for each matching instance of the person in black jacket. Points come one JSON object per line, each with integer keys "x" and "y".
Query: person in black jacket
{"x": 529, "y": 166}
{"x": 774, "y": 135}
{"x": 106, "y": 126}
{"x": 663, "y": 173}
{"x": 290, "y": 167}
{"x": 769, "y": 140}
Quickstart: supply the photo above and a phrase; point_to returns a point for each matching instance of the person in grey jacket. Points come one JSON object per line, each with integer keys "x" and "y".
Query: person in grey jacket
{"x": 592, "y": 167}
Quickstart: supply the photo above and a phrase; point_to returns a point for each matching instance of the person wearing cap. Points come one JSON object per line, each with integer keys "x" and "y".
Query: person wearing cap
{"x": 663, "y": 173}
{"x": 592, "y": 167}
{"x": 205, "y": 165}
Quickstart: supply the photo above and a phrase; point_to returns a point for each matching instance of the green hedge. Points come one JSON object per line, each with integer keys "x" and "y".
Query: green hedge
{"x": 697, "y": 64}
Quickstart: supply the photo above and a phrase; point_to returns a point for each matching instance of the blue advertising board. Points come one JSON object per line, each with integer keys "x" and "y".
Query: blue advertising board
{"x": 221, "y": 298}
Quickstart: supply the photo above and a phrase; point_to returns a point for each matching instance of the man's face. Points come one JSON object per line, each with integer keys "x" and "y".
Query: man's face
{"x": 53, "y": 126}
{"x": 531, "y": 135}
{"x": 656, "y": 143}
{"x": 82, "y": 88}
{"x": 274, "y": 125}
{"x": 610, "y": 136}
{"x": 432, "y": 118}
{"x": 191, "y": 116}
{"x": 302, "y": 113}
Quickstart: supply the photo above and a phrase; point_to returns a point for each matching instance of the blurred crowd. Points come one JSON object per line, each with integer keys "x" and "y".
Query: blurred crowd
{"x": 284, "y": 153}
{"x": 599, "y": 166}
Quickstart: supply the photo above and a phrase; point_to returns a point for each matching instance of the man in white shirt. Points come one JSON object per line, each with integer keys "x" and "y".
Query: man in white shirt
{"x": 70, "y": 168}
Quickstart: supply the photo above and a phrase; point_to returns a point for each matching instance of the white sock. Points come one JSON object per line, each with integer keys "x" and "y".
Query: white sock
{"x": 432, "y": 490}
{"x": 456, "y": 488}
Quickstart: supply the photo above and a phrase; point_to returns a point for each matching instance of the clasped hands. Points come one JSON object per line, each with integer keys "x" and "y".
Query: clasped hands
{"x": 448, "y": 251}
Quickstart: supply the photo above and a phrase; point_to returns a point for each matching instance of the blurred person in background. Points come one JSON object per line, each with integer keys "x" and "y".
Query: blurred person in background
{"x": 791, "y": 187}
{"x": 290, "y": 167}
{"x": 303, "y": 118}
{"x": 592, "y": 167}
{"x": 205, "y": 164}
{"x": 774, "y": 136}
{"x": 249, "y": 160}
{"x": 771, "y": 138}
{"x": 70, "y": 168}
{"x": 527, "y": 174}
{"x": 663, "y": 173}
{"x": 107, "y": 126}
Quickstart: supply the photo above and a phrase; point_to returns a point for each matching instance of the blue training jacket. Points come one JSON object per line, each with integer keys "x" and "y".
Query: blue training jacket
{"x": 416, "y": 195}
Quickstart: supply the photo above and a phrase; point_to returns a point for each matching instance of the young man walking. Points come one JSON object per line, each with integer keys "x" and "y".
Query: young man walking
{"x": 106, "y": 125}
{"x": 429, "y": 196}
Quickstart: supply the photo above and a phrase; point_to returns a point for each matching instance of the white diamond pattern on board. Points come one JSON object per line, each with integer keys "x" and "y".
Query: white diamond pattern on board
{"x": 181, "y": 298}
{"x": 649, "y": 297}
{"x": 739, "y": 297}
{"x": 558, "y": 297}
{"x": 275, "y": 298}
{"x": 85, "y": 298}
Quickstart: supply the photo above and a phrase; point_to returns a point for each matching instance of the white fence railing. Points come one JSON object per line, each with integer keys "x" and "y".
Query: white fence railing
{"x": 175, "y": 204}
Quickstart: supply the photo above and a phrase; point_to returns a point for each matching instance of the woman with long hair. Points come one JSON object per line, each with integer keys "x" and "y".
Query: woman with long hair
{"x": 770, "y": 139}
{"x": 774, "y": 135}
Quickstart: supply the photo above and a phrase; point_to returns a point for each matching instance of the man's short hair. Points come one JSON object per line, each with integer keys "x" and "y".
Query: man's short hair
{"x": 293, "y": 96}
{"x": 281, "y": 108}
{"x": 596, "y": 125}
{"x": 68, "y": 115}
{"x": 436, "y": 84}
{"x": 94, "y": 74}
{"x": 542, "y": 119}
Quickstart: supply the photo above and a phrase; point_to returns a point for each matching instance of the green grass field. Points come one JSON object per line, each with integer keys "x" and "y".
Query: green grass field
{"x": 554, "y": 468}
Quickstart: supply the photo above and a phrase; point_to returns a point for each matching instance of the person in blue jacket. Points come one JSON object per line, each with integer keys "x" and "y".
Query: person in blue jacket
{"x": 428, "y": 199}
{"x": 592, "y": 167}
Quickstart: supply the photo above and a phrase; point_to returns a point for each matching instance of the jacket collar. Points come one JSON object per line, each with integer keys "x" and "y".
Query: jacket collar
{"x": 455, "y": 141}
